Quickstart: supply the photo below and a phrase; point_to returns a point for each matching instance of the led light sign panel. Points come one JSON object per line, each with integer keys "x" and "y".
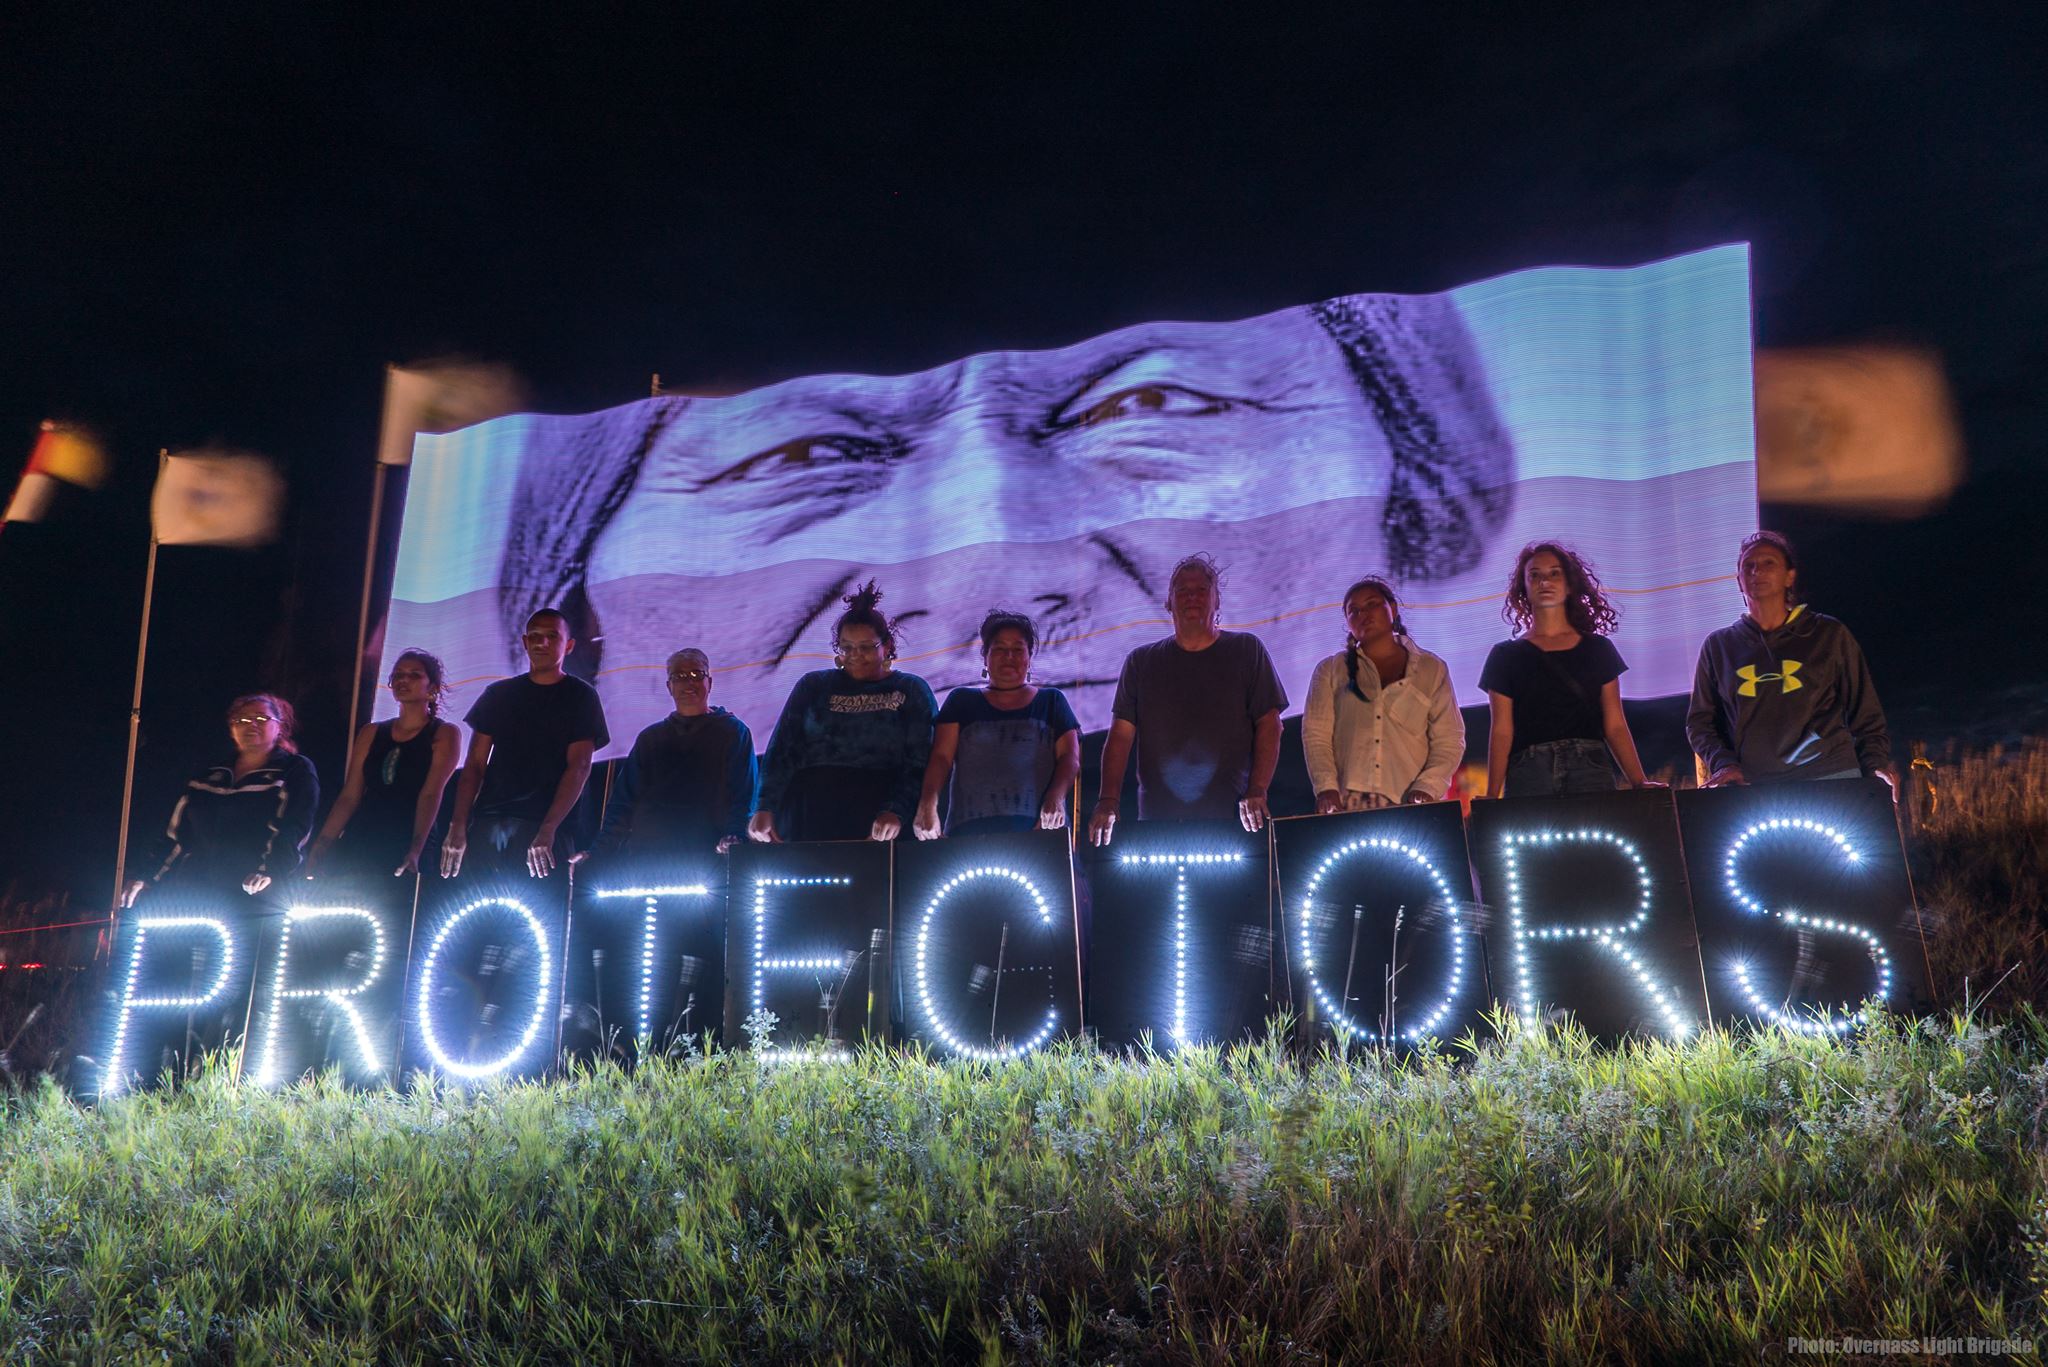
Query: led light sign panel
{"x": 1589, "y": 915}
{"x": 178, "y": 988}
{"x": 646, "y": 962}
{"x": 484, "y": 996}
{"x": 330, "y": 983}
{"x": 988, "y": 954}
{"x": 1378, "y": 924}
{"x": 1180, "y": 935}
{"x": 807, "y": 941}
{"x": 1804, "y": 908}
{"x": 1429, "y": 436}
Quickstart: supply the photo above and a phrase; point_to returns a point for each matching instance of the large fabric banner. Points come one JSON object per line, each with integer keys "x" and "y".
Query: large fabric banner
{"x": 1422, "y": 437}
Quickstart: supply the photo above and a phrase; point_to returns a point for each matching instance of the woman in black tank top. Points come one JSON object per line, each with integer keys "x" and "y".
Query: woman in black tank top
{"x": 397, "y": 772}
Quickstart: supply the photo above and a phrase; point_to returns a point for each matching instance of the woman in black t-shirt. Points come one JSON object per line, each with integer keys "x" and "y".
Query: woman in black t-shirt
{"x": 1555, "y": 689}
{"x": 397, "y": 771}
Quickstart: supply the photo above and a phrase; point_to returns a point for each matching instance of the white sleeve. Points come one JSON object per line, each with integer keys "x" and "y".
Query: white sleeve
{"x": 1319, "y": 724}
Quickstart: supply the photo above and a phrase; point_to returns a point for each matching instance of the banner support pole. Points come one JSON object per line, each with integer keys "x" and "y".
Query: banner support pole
{"x": 355, "y": 692}
{"x": 135, "y": 717}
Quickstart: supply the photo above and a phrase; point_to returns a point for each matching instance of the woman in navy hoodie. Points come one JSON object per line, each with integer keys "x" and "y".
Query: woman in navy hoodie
{"x": 848, "y": 754}
{"x": 1784, "y": 693}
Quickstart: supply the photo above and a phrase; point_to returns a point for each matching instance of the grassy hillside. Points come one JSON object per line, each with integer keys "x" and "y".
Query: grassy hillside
{"x": 1656, "y": 1203}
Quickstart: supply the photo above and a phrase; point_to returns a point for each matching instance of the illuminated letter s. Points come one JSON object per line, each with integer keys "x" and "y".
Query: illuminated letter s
{"x": 1824, "y": 925}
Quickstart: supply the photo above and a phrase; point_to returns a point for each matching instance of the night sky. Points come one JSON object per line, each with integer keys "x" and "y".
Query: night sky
{"x": 221, "y": 228}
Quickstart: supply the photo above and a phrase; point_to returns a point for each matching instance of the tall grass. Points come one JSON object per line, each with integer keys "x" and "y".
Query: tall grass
{"x": 1534, "y": 1196}
{"x": 1647, "y": 1204}
{"x": 1979, "y": 850}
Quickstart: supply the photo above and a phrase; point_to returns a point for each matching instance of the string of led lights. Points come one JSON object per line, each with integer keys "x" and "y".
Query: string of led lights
{"x": 1455, "y": 929}
{"x": 1180, "y": 863}
{"x": 366, "y": 1049}
{"x": 424, "y": 998}
{"x": 924, "y": 991}
{"x": 111, "y": 1081}
{"x": 1828, "y": 1021}
{"x": 652, "y": 897}
{"x": 1609, "y": 938}
{"x": 763, "y": 964}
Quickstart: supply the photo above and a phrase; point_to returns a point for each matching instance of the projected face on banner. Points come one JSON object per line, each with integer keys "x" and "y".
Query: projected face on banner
{"x": 1407, "y": 430}
{"x": 965, "y": 478}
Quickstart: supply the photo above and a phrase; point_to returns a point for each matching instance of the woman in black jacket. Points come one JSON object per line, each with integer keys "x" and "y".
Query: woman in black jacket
{"x": 242, "y": 824}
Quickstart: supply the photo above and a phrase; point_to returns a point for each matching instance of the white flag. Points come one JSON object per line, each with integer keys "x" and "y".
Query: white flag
{"x": 217, "y": 498}
{"x": 440, "y": 396}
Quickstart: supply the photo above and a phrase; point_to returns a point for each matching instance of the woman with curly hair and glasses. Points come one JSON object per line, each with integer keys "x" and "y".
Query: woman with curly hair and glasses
{"x": 1555, "y": 688}
{"x": 848, "y": 754}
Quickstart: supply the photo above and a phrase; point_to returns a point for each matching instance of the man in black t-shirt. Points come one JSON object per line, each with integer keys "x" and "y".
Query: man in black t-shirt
{"x": 531, "y": 742}
{"x": 1202, "y": 707}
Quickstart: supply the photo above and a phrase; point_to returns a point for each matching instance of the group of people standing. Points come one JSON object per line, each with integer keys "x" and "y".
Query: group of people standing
{"x": 864, "y": 751}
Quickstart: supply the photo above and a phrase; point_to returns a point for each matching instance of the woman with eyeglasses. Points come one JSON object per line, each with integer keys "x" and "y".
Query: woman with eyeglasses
{"x": 849, "y": 751}
{"x": 1011, "y": 748}
{"x": 397, "y": 772}
{"x": 242, "y": 824}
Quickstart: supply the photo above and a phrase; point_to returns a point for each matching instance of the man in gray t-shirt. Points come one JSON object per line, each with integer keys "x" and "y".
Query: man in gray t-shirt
{"x": 1203, "y": 708}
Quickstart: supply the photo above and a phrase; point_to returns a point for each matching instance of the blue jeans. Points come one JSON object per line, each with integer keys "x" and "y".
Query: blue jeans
{"x": 1562, "y": 766}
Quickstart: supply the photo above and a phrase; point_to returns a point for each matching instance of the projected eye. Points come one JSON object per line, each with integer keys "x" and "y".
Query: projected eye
{"x": 1169, "y": 400}
{"x": 821, "y": 452}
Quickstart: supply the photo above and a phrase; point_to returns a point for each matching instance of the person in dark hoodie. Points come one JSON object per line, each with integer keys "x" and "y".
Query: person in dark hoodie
{"x": 688, "y": 784}
{"x": 242, "y": 824}
{"x": 848, "y": 755}
{"x": 1784, "y": 693}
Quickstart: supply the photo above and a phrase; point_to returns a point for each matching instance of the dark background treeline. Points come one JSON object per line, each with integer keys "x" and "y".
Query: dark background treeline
{"x": 221, "y": 228}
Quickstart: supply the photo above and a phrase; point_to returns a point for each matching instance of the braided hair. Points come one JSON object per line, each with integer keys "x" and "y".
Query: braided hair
{"x": 1386, "y": 592}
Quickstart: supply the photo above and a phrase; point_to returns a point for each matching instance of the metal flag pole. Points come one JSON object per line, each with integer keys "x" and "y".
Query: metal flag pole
{"x": 355, "y": 692}
{"x": 135, "y": 714}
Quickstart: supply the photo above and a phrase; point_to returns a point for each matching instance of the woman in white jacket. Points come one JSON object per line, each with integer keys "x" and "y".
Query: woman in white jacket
{"x": 1382, "y": 724}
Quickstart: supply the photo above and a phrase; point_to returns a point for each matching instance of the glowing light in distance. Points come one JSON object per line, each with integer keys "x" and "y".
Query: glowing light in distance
{"x": 366, "y": 1049}
{"x": 425, "y": 997}
{"x": 1609, "y": 938}
{"x": 111, "y": 1081}
{"x": 1397, "y": 849}
{"x": 1832, "y": 1023}
{"x": 924, "y": 991}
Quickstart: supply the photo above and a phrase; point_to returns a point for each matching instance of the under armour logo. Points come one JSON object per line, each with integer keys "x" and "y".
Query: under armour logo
{"x": 1788, "y": 680}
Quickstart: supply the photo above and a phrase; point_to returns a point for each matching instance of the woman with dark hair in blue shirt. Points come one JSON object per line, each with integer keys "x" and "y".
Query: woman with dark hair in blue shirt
{"x": 1011, "y": 749}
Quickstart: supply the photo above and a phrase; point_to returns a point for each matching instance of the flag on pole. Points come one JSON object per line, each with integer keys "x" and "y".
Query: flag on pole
{"x": 1870, "y": 429}
{"x": 62, "y": 456}
{"x": 439, "y": 396}
{"x": 217, "y": 498}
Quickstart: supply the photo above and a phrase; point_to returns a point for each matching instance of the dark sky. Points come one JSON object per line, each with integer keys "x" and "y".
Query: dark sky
{"x": 221, "y": 226}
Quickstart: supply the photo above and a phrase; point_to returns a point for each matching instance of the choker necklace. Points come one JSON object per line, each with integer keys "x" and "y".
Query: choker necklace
{"x": 1004, "y": 688}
